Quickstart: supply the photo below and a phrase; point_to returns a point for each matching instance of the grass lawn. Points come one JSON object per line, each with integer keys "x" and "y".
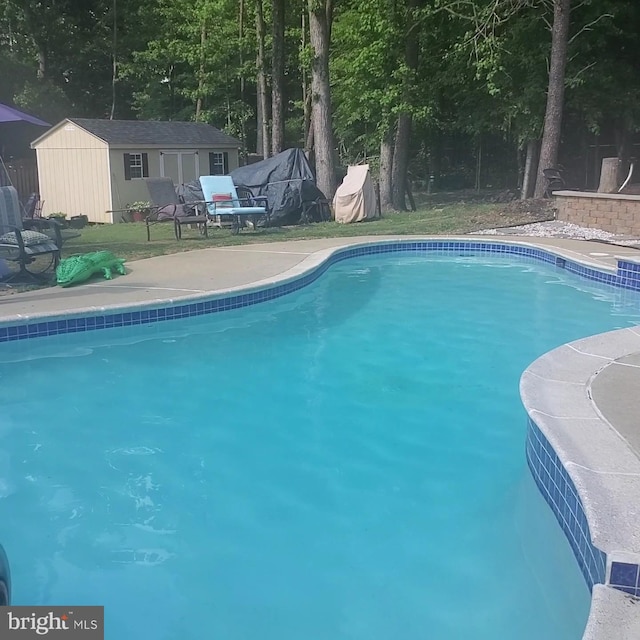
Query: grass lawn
{"x": 129, "y": 241}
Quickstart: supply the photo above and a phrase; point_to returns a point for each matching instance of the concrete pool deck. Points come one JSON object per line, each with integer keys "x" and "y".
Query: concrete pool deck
{"x": 593, "y": 377}
{"x": 182, "y": 275}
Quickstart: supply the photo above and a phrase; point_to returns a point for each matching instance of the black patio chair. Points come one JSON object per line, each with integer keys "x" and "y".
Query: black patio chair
{"x": 167, "y": 207}
{"x": 25, "y": 245}
{"x": 555, "y": 181}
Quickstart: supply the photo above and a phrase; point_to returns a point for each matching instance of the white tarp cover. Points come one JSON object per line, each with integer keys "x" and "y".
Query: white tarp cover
{"x": 355, "y": 199}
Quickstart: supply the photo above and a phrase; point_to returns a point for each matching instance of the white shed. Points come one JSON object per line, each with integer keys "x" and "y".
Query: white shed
{"x": 97, "y": 167}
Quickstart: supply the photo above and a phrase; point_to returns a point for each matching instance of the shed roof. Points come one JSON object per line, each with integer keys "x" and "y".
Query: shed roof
{"x": 132, "y": 133}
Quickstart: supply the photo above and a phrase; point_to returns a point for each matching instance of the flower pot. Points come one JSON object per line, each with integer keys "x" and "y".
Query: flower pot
{"x": 78, "y": 222}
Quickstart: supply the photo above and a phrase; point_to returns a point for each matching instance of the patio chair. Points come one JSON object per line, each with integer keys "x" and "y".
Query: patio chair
{"x": 21, "y": 245}
{"x": 555, "y": 181}
{"x": 33, "y": 207}
{"x": 222, "y": 200}
{"x": 168, "y": 207}
{"x": 32, "y": 219}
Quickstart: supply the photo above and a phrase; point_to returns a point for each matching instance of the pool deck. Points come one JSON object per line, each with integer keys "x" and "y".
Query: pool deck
{"x": 181, "y": 275}
{"x": 607, "y": 378}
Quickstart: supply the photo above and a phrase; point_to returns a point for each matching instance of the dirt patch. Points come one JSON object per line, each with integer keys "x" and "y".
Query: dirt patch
{"x": 539, "y": 209}
{"x": 511, "y": 214}
{"x": 11, "y": 289}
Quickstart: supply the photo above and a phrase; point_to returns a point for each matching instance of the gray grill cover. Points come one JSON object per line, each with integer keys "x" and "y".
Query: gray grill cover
{"x": 288, "y": 183}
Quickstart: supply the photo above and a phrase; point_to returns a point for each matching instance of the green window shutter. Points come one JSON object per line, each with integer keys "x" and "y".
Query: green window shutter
{"x": 225, "y": 155}
{"x": 127, "y": 166}
{"x": 145, "y": 165}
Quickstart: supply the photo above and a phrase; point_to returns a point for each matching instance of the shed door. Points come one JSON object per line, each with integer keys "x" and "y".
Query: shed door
{"x": 180, "y": 166}
{"x": 189, "y": 167}
{"x": 170, "y": 166}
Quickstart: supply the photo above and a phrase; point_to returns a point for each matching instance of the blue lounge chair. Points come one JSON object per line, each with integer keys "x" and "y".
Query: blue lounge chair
{"x": 221, "y": 198}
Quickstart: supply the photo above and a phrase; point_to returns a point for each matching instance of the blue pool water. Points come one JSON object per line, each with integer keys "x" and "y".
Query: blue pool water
{"x": 345, "y": 463}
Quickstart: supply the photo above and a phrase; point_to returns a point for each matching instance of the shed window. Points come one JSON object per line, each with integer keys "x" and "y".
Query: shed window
{"x": 136, "y": 165}
{"x": 218, "y": 163}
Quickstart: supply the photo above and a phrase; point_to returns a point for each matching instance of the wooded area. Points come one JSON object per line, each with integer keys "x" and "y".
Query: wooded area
{"x": 441, "y": 94}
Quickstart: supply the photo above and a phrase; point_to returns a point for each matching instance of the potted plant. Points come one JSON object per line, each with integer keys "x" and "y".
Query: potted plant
{"x": 60, "y": 217}
{"x": 139, "y": 210}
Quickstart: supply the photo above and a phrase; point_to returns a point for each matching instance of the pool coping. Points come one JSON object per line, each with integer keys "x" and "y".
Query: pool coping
{"x": 627, "y": 265}
{"x": 555, "y": 391}
{"x": 599, "y": 477}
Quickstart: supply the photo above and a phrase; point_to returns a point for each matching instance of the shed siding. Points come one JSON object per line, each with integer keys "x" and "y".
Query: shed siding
{"x": 79, "y": 173}
{"x": 70, "y": 136}
{"x": 75, "y": 181}
{"x": 203, "y": 156}
{"x": 125, "y": 192}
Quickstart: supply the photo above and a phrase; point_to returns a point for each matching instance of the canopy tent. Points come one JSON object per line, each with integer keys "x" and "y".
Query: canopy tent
{"x": 11, "y": 114}
{"x": 355, "y": 199}
{"x": 17, "y": 130}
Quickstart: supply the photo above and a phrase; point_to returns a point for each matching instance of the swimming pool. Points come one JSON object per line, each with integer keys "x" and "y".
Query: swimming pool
{"x": 344, "y": 462}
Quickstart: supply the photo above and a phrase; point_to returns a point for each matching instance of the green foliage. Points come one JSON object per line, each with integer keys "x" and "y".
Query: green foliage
{"x": 44, "y": 98}
{"x": 482, "y": 67}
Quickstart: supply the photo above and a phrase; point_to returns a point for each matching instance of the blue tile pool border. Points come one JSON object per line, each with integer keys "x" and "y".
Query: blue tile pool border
{"x": 627, "y": 277}
{"x": 561, "y": 495}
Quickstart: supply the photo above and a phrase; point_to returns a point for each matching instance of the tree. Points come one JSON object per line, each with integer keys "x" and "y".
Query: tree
{"x": 262, "y": 125}
{"x": 400, "y": 158}
{"x": 555, "y": 92}
{"x": 320, "y": 17}
{"x": 277, "y": 76}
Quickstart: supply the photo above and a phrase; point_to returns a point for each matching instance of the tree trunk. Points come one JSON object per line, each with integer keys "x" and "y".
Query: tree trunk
{"x": 555, "y": 92}
{"x": 277, "y": 77}
{"x": 321, "y": 99}
{"x": 435, "y": 160}
{"x": 386, "y": 167}
{"x": 203, "y": 40}
{"x": 478, "y": 183}
{"x": 114, "y": 60}
{"x": 42, "y": 63}
{"x": 401, "y": 162}
{"x": 306, "y": 94}
{"x": 243, "y": 123}
{"x": 403, "y": 130}
{"x": 529, "y": 169}
{"x": 262, "y": 144}
{"x": 609, "y": 175}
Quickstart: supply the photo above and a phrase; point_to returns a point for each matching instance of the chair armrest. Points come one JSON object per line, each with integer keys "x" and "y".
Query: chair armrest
{"x": 35, "y": 223}
{"x": 152, "y": 216}
{"x": 255, "y": 201}
{"x": 49, "y": 223}
{"x": 44, "y": 224}
{"x": 216, "y": 204}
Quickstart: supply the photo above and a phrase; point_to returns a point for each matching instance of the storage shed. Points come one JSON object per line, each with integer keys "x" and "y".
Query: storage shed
{"x": 97, "y": 167}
